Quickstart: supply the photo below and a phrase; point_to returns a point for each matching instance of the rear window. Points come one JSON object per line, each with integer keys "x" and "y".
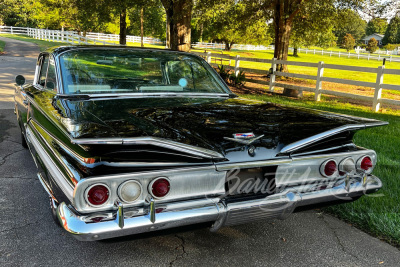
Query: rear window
{"x": 99, "y": 71}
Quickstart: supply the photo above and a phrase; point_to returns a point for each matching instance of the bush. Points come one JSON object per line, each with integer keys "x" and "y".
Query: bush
{"x": 224, "y": 73}
{"x": 372, "y": 45}
{"x": 231, "y": 78}
{"x": 348, "y": 42}
{"x": 238, "y": 80}
{"x": 391, "y": 47}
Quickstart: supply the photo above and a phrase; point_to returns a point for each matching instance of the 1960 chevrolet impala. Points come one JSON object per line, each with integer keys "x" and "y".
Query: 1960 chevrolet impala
{"x": 131, "y": 140}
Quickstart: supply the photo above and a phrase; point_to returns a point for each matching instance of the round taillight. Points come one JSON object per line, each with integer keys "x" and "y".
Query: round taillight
{"x": 129, "y": 191}
{"x": 160, "y": 187}
{"x": 366, "y": 163}
{"x": 97, "y": 195}
{"x": 328, "y": 168}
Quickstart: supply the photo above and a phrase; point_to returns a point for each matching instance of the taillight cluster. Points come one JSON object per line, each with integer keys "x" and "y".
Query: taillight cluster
{"x": 97, "y": 195}
{"x": 129, "y": 191}
{"x": 159, "y": 187}
{"x": 330, "y": 168}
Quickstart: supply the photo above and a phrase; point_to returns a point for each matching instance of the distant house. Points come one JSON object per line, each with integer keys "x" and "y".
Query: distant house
{"x": 377, "y": 37}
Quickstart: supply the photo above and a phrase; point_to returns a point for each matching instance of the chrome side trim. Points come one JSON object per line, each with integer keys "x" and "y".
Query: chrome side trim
{"x": 313, "y": 139}
{"x": 154, "y": 141}
{"x": 50, "y": 165}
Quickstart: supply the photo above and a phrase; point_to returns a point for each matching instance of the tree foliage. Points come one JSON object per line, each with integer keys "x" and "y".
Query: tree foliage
{"x": 18, "y": 13}
{"x": 392, "y": 34}
{"x": 376, "y": 25}
{"x": 314, "y": 25}
{"x": 349, "y": 21}
{"x": 231, "y": 22}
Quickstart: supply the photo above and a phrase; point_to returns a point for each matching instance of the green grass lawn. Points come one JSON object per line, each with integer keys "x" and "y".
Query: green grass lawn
{"x": 343, "y": 74}
{"x": 378, "y": 213}
{"x": 43, "y": 45}
{"x": 2, "y": 45}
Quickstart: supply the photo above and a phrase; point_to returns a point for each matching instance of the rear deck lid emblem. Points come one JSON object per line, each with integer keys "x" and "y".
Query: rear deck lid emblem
{"x": 244, "y": 138}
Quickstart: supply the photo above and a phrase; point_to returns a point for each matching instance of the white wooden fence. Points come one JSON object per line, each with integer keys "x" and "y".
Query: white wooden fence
{"x": 201, "y": 45}
{"x": 318, "y": 90}
{"x": 379, "y": 55}
{"x": 74, "y": 37}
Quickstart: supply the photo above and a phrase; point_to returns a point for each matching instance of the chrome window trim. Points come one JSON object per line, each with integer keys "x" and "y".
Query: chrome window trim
{"x": 313, "y": 139}
{"x": 218, "y": 78}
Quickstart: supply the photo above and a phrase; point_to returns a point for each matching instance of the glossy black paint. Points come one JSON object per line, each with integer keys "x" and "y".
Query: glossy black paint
{"x": 201, "y": 122}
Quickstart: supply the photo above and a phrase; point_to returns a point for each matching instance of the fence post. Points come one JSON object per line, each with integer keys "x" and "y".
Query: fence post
{"x": 12, "y": 30}
{"x": 349, "y": 55}
{"x": 208, "y": 57}
{"x": 272, "y": 75}
{"x": 339, "y": 53}
{"x": 237, "y": 62}
{"x": 369, "y": 54}
{"x": 378, "y": 89}
{"x": 318, "y": 86}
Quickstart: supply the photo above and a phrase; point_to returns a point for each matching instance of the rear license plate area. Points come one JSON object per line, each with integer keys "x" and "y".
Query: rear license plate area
{"x": 252, "y": 181}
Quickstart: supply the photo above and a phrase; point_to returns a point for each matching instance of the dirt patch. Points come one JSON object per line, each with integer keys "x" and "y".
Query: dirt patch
{"x": 257, "y": 89}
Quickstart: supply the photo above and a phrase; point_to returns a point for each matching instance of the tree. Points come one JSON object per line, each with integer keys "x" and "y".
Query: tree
{"x": 179, "y": 14}
{"x": 349, "y": 21}
{"x": 152, "y": 20}
{"x": 349, "y": 42}
{"x": 313, "y": 26}
{"x": 17, "y": 13}
{"x": 372, "y": 45}
{"x": 376, "y": 25}
{"x": 392, "y": 34}
{"x": 231, "y": 22}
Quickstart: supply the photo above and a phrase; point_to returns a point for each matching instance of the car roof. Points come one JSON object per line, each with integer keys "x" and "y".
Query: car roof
{"x": 56, "y": 51}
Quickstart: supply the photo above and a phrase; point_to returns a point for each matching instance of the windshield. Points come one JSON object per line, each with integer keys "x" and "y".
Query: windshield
{"x": 100, "y": 71}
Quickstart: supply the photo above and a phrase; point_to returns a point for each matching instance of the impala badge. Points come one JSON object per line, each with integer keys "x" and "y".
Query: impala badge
{"x": 244, "y": 138}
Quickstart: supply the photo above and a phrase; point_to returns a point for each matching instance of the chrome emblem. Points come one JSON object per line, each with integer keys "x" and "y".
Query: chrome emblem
{"x": 244, "y": 138}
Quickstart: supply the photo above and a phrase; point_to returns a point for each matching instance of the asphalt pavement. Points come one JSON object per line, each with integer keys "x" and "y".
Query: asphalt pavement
{"x": 28, "y": 236}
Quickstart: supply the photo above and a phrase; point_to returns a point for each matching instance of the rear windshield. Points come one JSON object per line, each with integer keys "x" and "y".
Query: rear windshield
{"x": 101, "y": 71}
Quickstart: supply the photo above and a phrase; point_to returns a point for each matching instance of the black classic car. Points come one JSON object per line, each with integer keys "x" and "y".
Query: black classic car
{"x": 129, "y": 140}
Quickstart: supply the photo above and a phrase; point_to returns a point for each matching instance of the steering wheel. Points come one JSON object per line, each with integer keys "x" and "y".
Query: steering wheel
{"x": 74, "y": 71}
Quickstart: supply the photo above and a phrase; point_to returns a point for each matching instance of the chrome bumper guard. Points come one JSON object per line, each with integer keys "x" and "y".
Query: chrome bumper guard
{"x": 208, "y": 210}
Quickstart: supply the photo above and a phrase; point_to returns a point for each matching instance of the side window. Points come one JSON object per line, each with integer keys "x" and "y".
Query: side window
{"x": 43, "y": 71}
{"x": 51, "y": 76}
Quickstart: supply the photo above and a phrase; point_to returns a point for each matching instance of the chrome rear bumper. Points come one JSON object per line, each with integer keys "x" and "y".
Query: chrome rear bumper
{"x": 208, "y": 210}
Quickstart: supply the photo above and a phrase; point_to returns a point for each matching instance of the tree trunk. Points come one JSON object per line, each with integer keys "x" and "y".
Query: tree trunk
{"x": 141, "y": 27}
{"x": 283, "y": 19}
{"x": 201, "y": 32}
{"x": 228, "y": 46}
{"x": 180, "y": 15}
{"x": 167, "y": 32}
{"x": 122, "y": 27}
{"x": 295, "y": 53}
